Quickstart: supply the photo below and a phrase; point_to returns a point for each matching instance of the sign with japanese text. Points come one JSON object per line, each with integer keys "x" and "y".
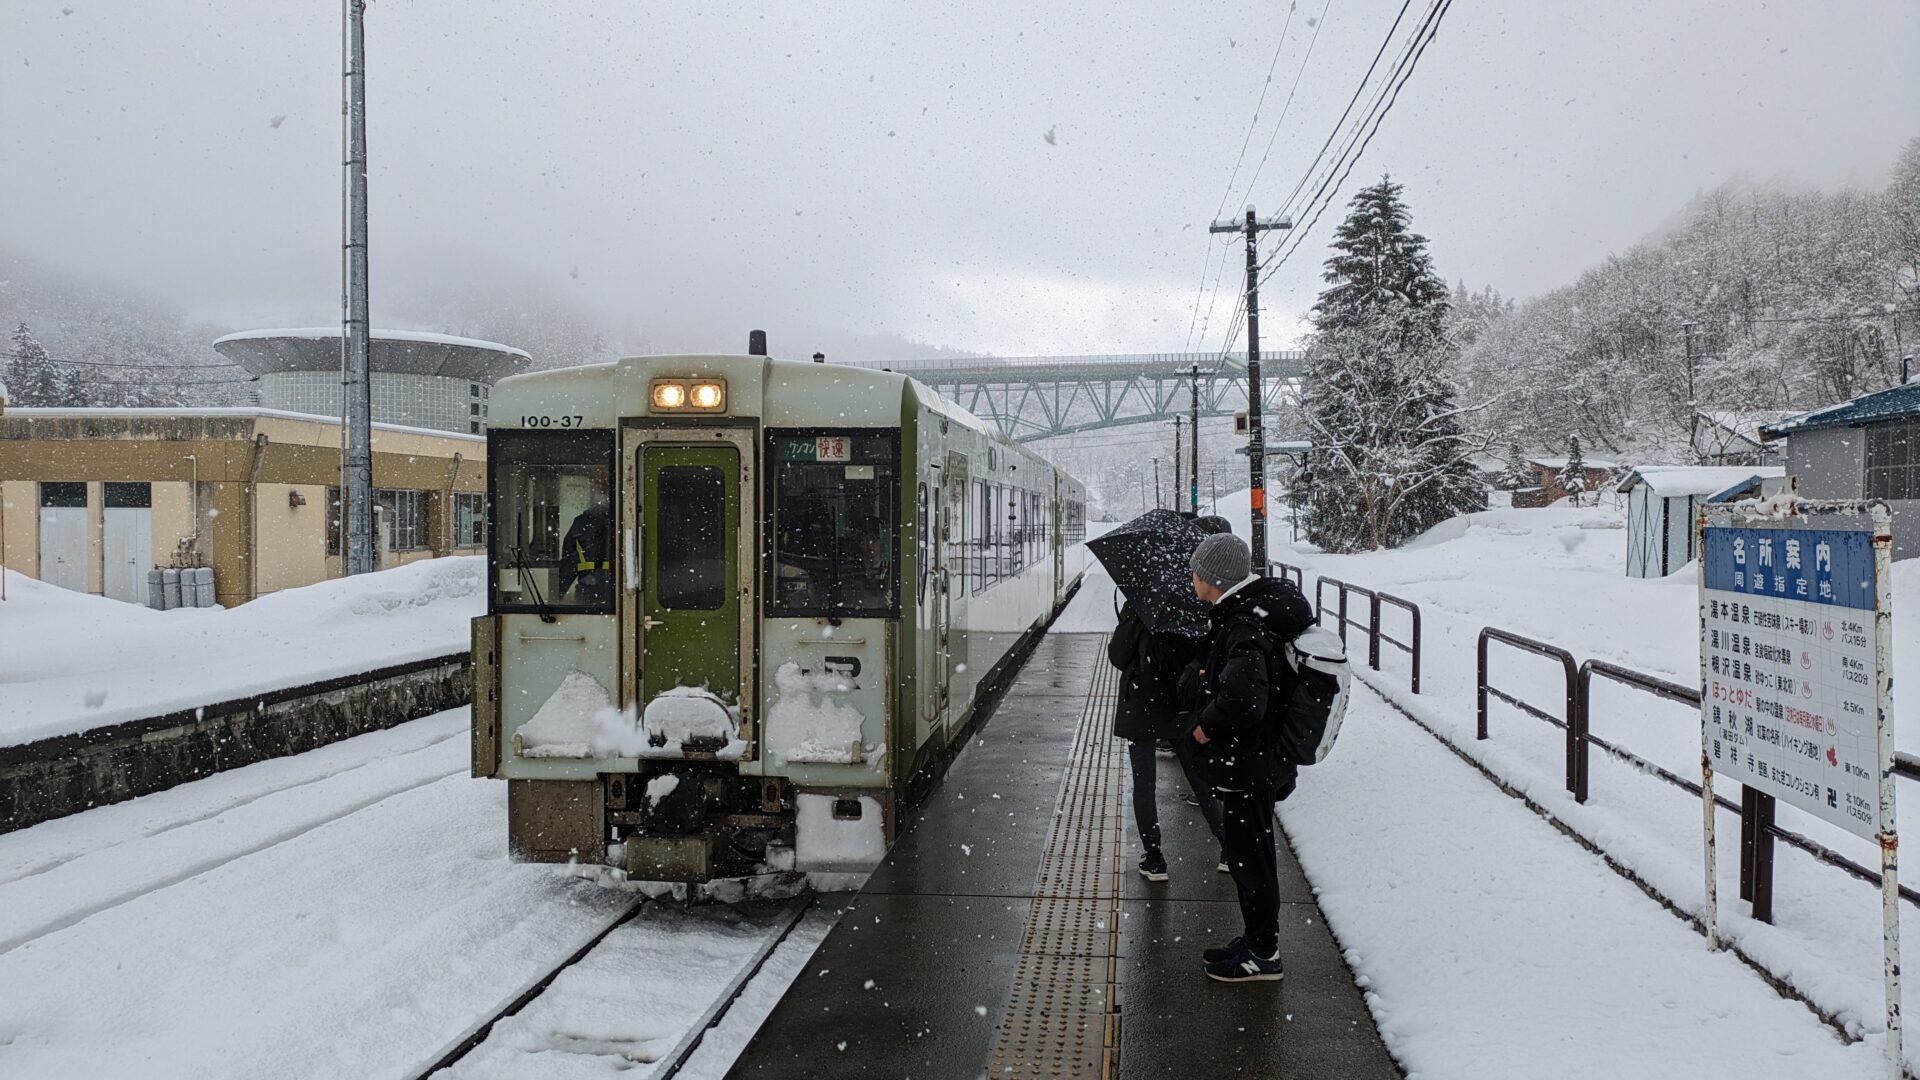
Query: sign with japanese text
{"x": 1790, "y": 666}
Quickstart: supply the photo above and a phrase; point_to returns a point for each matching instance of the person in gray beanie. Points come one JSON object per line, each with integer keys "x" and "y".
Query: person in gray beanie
{"x": 1239, "y": 672}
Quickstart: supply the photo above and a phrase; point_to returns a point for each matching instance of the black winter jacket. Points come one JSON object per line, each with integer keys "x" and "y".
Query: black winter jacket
{"x": 1230, "y": 686}
{"x": 1132, "y": 649}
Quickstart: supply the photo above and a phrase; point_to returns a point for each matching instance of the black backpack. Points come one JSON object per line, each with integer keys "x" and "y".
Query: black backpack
{"x": 1162, "y": 658}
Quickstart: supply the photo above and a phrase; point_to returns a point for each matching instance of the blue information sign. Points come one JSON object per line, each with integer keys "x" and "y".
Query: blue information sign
{"x": 1821, "y": 566}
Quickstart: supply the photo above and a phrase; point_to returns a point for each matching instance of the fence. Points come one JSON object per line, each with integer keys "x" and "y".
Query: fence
{"x": 1375, "y": 636}
{"x": 1755, "y": 809}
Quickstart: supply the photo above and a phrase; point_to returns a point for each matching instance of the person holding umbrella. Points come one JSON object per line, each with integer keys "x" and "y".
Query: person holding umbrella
{"x": 1157, "y": 635}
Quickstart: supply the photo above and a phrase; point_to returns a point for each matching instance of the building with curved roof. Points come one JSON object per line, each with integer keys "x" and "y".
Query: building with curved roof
{"x": 418, "y": 379}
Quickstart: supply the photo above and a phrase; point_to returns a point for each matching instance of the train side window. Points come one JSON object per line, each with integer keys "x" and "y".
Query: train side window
{"x": 550, "y": 538}
{"x": 922, "y": 528}
{"x": 833, "y": 534}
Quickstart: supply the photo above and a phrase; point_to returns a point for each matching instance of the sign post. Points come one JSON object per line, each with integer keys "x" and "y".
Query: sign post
{"x": 1796, "y": 607}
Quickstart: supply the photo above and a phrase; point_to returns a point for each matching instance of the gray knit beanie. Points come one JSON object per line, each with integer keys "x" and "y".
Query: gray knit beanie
{"x": 1222, "y": 560}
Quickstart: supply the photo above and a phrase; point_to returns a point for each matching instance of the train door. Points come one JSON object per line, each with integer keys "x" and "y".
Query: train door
{"x": 1057, "y": 538}
{"x": 952, "y": 538}
{"x": 694, "y": 571}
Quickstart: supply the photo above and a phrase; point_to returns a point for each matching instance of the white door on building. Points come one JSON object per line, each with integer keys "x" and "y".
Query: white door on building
{"x": 128, "y": 529}
{"x": 63, "y": 535}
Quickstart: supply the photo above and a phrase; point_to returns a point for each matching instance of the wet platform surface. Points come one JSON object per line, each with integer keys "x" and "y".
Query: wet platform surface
{"x": 1008, "y": 933}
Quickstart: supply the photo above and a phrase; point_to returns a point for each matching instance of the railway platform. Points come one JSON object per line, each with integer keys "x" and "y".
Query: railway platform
{"x": 1008, "y": 933}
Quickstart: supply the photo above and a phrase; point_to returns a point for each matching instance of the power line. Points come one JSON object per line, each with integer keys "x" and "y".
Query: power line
{"x": 1271, "y": 139}
{"x": 1432, "y": 28}
{"x": 1245, "y": 141}
{"x": 1352, "y": 145}
{"x": 1308, "y": 173}
{"x": 138, "y": 367}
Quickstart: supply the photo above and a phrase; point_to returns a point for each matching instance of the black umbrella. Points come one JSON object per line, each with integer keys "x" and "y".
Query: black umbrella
{"x": 1147, "y": 558}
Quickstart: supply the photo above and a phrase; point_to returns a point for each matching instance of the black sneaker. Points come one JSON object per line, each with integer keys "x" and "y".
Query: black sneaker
{"x": 1222, "y": 952}
{"x": 1223, "y": 867}
{"x": 1190, "y": 800}
{"x": 1244, "y": 966}
{"x": 1153, "y": 866}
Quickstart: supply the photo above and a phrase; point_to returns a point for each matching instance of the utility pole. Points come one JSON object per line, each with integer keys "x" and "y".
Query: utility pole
{"x": 1693, "y": 398}
{"x": 1176, "y": 464}
{"x": 1156, "y": 484}
{"x": 1256, "y": 442}
{"x": 1193, "y": 425}
{"x": 356, "y": 404}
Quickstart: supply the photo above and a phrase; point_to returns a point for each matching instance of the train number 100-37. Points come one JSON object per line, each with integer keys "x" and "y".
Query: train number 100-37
{"x": 553, "y": 421}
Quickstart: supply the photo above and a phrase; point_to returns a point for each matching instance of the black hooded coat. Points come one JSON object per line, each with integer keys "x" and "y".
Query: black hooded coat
{"x": 1230, "y": 685}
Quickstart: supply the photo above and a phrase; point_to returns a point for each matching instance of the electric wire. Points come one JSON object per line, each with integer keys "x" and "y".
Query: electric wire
{"x": 1284, "y": 251}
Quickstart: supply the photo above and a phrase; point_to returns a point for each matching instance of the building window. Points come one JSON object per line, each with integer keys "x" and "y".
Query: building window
{"x": 402, "y": 515}
{"x": 1893, "y": 459}
{"x": 473, "y": 389}
{"x": 469, "y": 519}
{"x": 64, "y": 493}
{"x": 473, "y": 409}
{"x": 473, "y": 427}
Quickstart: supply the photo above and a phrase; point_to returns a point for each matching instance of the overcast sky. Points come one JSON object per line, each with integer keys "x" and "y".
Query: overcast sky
{"x": 1007, "y": 177}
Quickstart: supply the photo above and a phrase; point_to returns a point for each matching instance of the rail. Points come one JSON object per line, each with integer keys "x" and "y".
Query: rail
{"x": 1758, "y": 829}
{"x": 1377, "y": 602}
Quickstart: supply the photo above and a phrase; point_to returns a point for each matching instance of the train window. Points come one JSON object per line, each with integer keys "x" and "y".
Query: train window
{"x": 833, "y": 538}
{"x": 982, "y": 533}
{"x": 692, "y": 538}
{"x": 922, "y": 528}
{"x": 551, "y": 533}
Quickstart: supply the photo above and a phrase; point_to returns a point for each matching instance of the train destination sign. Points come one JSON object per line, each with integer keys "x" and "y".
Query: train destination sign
{"x": 1790, "y": 666}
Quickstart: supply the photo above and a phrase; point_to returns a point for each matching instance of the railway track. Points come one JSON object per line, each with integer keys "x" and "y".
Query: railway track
{"x": 669, "y": 1063}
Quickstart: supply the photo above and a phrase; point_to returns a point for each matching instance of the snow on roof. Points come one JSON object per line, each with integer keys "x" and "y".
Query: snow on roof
{"x": 1887, "y": 404}
{"x": 274, "y": 414}
{"x": 422, "y": 337}
{"x": 1745, "y": 424}
{"x": 1561, "y": 463}
{"x": 1672, "y": 481}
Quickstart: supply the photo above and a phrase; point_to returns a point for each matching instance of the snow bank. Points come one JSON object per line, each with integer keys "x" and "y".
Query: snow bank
{"x": 579, "y": 720}
{"x": 1558, "y": 575}
{"x": 70, "y": 661}
{"x": 1490, "y": 947}
{"x": 812, "y": 720}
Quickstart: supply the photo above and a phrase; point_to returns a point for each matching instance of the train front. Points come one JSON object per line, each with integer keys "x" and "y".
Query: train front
{"x": 644, "y": 516}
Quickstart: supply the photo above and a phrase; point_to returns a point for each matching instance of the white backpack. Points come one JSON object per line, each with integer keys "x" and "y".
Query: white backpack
{"x": 1310, "y": 717}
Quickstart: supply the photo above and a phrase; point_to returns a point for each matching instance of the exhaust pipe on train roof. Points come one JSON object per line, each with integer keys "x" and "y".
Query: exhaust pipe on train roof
{"x": 756, "y": 343}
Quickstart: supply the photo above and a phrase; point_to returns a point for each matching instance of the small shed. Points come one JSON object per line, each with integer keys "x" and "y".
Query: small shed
{"x": 1664, "y": 500}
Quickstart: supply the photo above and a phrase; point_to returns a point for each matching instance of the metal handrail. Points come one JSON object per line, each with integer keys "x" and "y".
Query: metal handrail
{"x": 1411, "y": 649}
{"x": 1755, "y": 808}
{"x": 1538, "y": 648}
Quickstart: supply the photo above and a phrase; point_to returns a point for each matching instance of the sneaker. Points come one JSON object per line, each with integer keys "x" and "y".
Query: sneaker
{"x": 1153, "y": 866}
{"x": 1222, "y": 866}
{"x": 1190, "y": 800}
{"x": 1222, "y": 952}
{"x": 1244, "y": 966}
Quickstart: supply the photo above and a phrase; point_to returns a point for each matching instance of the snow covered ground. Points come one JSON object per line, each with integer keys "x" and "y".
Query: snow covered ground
{"x": 345, "y": 912}
{"x": 70, "y": 661}
{"x": 1491, "y": 946}
{"x": 1558, "y": 574}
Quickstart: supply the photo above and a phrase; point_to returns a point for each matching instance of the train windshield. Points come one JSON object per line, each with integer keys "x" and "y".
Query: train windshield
{"x": 836, "y": 500}
{"x": 552, "y": 522}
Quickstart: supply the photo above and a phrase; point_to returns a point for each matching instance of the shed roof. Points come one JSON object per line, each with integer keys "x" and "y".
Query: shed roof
{"x": 1889, "y": 404}
{"x": 1676, "y": 481}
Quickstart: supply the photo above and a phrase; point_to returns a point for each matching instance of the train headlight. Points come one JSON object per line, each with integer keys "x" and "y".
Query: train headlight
{"x": 669, "y": 395}
{"x": 710, "y": 396}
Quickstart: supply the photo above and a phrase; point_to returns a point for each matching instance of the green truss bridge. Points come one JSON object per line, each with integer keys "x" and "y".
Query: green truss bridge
{"x": 1043, "y": 397}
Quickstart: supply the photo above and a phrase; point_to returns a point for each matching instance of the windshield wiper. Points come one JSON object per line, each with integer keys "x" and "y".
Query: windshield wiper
{"x": 533, "y": 587}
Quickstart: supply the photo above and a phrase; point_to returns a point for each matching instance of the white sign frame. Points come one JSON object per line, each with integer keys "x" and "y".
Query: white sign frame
{"x": 1788, "y": 609}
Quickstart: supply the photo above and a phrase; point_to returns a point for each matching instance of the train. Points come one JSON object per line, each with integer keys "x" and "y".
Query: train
{"x": 742, "y": 610}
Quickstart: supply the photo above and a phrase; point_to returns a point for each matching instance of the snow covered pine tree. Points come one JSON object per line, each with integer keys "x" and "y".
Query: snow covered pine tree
{"x": 31, "y": 374}
{"x": 1391, "y": 452}
{"x": 1573, "y": 476}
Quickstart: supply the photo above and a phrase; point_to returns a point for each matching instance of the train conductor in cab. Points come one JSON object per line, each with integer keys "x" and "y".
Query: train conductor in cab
{"x": 586, "y": 556}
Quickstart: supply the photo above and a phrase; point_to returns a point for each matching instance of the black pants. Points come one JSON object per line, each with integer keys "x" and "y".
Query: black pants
{"x": 1256, "y": 874}
{"x": 1146, "y": 814}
